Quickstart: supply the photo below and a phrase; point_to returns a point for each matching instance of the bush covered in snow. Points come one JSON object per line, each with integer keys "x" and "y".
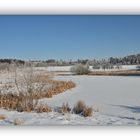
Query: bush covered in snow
{"x": 80, "y": 69}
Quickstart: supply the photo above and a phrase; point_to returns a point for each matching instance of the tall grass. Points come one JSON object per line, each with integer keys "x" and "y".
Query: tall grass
{"x": 82, "y": 109}
{"x": 29, "y": 89}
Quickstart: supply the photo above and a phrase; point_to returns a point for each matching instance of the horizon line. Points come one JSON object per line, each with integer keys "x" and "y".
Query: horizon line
{"x": 70, "y": 58}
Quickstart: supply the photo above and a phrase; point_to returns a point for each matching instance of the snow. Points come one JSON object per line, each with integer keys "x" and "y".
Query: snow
{"x": 68, "y": 68}
{"x": 129, "y": 67}
{"x": 111, "y": 95}
{"x": 116, "y": 98}
{"x": 54, "y": 68}
{"x": 54, "y": 118}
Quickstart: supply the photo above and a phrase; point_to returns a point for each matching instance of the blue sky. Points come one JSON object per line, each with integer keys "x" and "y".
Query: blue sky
{"x": 68, "y": 37}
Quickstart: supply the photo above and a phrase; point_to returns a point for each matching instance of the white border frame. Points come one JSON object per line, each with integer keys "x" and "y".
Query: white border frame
{"x": 69, "y": 7}
{"x": 58, "y": 7}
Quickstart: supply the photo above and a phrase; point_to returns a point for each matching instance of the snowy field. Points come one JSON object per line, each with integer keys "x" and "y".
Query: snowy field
{"x": 68, "y": 68}
{"x": 115, "y": 101}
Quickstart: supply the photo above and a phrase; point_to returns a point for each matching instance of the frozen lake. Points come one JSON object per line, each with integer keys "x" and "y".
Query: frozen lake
{"x": 117, "y": 96}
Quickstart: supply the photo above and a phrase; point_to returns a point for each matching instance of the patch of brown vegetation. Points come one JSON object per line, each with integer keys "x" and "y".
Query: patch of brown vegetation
{"x": 56, "y": 88}
{"x": 17, "y": 102}
{"x": 29, "y": 101}
{"x": 87, "y": 112}
{"x": 20, "y": 104}
{"x": 64, "y": 108}
{"x": 2, "y": 117}
{"x": 82, "y": 109}
{"x": 116, "y": 73}
{"x": 43, "y": 108}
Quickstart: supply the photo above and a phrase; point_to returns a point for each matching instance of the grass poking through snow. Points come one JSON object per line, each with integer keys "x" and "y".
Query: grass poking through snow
{"x": 82, "y": 109}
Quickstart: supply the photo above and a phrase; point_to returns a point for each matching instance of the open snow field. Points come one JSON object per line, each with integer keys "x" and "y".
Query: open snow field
{"x": 68, "y": 68}
{"x": 115, "y": 101}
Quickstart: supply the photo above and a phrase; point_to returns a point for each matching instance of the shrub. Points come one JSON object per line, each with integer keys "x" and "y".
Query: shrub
{"x": 79, "y": 107}
{"x": 26, "y": 94}
{"x": 29, "y": 92}
{"x": 65, "y": 108}
{"x": 39, "y": 86}
{"x": 80, "y": 69}
{"x": 87, "y": 112}
{"x": 82, "y": 109}
{"x": 17, "y": 122}
{"x": 2, "y": 117}
{"x": 43, "y": 108}
{"x": 19, "y": 103}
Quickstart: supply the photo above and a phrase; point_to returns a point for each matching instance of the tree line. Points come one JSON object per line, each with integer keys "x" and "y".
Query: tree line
{"x": 105, "y": 63}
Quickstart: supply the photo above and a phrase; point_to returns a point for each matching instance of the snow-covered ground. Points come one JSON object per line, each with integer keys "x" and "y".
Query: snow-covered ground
{"x": 54, "y": 68}
{"x": 117, "y": 99}
{"x": 129, "y": 67}
{"x": 68, "y": 68}
{"x": 54, "y": 118}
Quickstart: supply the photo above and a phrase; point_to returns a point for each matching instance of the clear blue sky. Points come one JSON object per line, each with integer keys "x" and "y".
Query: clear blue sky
{"x": 68, "y": 37}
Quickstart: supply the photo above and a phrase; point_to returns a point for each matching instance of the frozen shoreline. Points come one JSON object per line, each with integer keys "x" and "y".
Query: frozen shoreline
{"x": 116, "y": 98}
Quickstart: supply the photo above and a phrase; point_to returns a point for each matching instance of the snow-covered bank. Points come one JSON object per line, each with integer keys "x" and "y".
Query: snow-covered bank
{"x": 68, "y": 68}
{"x": 53, "y": 118}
